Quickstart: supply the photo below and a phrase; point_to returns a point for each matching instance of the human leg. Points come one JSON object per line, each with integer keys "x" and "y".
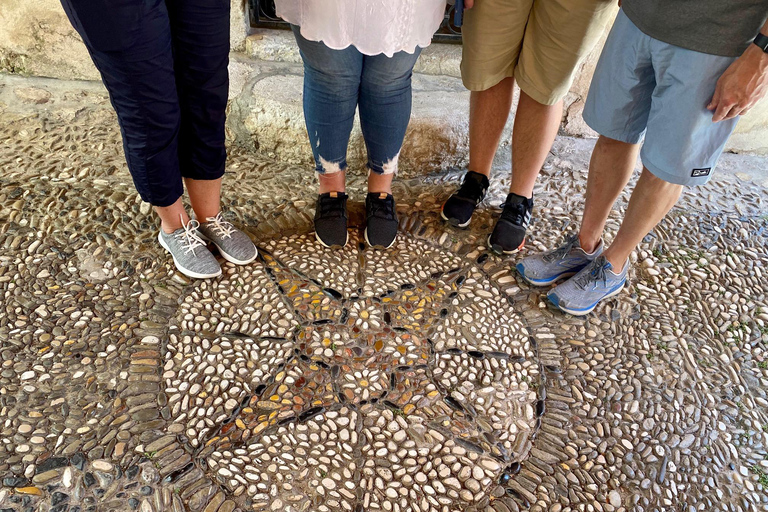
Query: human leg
{"x": 331, "y": 88}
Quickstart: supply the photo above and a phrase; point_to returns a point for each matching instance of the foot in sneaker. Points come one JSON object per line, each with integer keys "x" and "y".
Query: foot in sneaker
{"x": 565, "y": 261}
{"x": 458, "y": 209}
{"x": 190, "y": 255}
{"x": 331, "y": 219}
{"x": 508, "y": 236}
{"x": 581, "y": 294}
{"x": 380, "y": 220}
{"x": 233, "y": 244}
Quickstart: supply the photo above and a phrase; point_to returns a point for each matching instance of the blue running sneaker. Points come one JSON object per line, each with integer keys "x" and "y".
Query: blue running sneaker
{"x": 546, "y": 268}
{"x": 597, "y": 281}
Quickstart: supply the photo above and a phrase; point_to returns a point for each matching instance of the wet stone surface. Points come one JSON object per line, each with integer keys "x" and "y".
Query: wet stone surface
{"x": 426, "y": 377}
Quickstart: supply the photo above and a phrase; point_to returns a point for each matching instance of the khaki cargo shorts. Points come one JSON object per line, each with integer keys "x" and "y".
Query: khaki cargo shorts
{"x": 539, "y": 42}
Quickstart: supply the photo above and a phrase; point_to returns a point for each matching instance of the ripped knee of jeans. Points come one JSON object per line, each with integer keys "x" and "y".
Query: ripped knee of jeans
{"x": 388, "y": 167}
{"x": 326, "y": 167}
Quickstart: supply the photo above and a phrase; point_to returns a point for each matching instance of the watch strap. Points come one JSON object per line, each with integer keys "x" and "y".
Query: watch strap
{"x": 762, "y": 42}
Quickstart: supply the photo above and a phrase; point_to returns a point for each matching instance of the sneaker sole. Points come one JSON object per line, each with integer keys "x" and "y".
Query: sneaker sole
{"x": 317, "y": 237}
{"x": 365, "y": 234}
{"x": 227, "y": 256}
{"x": 541, "y": 282}
{"x": 584, "y": 312}
{"x": 453, "y": 222}
{"x": 498, "y": 250}
{"x": 185, "y": 271}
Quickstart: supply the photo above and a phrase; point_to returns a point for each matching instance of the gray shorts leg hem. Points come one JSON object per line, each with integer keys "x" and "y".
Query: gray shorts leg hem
{"x": 674, "y": 178}
{"x": 621, "y": 136}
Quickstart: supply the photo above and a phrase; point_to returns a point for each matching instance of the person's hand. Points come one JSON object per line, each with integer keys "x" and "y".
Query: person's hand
{"x": 468, "y": 4}
{"x": 742, "y": 85}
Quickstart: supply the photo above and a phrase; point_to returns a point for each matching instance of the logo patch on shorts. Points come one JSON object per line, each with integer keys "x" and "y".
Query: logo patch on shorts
{"x": 698, "y": 173}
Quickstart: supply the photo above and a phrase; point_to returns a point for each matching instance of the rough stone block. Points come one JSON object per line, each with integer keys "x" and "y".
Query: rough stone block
{"x": 268, "y": 116}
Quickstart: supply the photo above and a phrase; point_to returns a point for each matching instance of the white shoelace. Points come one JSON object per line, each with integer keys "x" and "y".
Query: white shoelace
{"x": 189, "y": 236}
{"x": 220, "y": 226}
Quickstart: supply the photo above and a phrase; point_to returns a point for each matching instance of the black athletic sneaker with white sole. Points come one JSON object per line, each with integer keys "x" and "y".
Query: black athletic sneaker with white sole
{"x": 331, "y": 219}
{"x": 458, "y": 209}
{"x": 380, "y": 220}
{"x": 508, "y": 236}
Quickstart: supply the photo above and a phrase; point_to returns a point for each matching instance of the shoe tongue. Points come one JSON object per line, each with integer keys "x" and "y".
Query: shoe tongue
{"x": 383, "y": 195}
{"x": 513, "y": 198}
{"x": 481, "y": 179}
{"x": 333, "y": 194}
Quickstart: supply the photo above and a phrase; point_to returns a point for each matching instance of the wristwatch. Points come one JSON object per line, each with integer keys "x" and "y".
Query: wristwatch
{"x": 762, "y": 42}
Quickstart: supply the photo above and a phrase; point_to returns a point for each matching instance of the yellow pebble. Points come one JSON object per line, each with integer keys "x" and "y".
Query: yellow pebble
{"x": 29, "y": 490}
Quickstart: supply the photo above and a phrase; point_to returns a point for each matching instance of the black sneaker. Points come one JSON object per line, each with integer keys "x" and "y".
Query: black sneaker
{"x": 458, "y": 209}
{"x": 331, "y": 219}
{"x": 508, "y": 236}
{"x": 380, "y": 220}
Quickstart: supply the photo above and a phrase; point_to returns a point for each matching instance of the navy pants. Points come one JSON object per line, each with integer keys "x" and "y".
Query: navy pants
{"x": 164, "y": 63}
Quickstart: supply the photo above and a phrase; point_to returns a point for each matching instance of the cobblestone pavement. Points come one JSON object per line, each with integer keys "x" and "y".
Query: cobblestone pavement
{"x": 427, "y": 377}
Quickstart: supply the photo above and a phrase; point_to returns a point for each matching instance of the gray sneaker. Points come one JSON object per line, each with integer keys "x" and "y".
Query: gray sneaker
{"x": 568, "y": 259}
{"x": 190, "y": 255}
{"x": 232, "y": 243}
{"x": 597, "y": 281}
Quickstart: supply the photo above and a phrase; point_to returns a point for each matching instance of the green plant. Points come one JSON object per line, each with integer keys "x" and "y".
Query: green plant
{"x": 762, "y": 478}
{"x": 738, "y": 326}
{"x": 13, "y": 63}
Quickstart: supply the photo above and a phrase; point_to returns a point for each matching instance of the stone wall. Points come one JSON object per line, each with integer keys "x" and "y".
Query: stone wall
{"x": 36, "y": 39}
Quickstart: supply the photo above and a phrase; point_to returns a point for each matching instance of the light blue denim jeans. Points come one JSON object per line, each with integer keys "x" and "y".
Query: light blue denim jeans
{"x": 336, "y": 82}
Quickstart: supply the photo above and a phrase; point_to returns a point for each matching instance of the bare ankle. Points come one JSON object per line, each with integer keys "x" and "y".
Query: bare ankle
{"x": 589, "y": 245}
{"x": 204, "y": 215}
{"x": 617, "y": 261}
{"x": 169, "y": 228}
{"x": 378, "y": 183}
{"x": 335, "y": 182}
{"x": 172, "y": 217}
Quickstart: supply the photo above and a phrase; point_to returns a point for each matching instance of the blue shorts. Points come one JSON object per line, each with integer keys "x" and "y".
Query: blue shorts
{"x": 643, "y": 84}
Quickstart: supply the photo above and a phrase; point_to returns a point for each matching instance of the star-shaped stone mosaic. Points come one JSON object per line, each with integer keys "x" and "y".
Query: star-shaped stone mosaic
{"x": 354, "y": 380}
